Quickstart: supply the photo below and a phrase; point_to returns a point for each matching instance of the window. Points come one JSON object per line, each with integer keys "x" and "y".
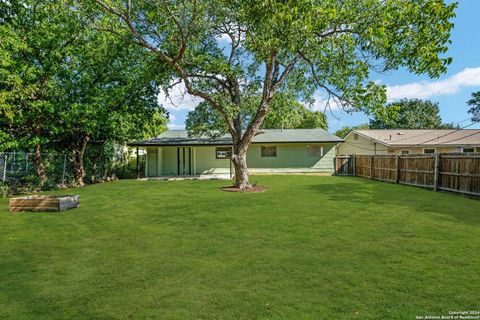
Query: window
{"x": 355, "y": 136}
{"x": 427, "y": 151}
{"x": 269, "y": 151}
{"x": 468, "y": 150}
{"x": 223, "y": 152}
{"x": 314, "y": 150}
{"x": 405, "y": 152}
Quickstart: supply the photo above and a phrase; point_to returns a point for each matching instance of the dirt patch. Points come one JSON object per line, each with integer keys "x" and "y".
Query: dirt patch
{"x": 254, "y": 188}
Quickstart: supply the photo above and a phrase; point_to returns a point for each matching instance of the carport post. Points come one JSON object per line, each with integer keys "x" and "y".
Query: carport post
{"x": 138, "y": 166}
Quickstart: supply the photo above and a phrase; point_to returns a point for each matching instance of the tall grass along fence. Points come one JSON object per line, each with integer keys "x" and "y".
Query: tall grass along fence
{"x": 18, "y": 172}
{"x": 458, "y": 173}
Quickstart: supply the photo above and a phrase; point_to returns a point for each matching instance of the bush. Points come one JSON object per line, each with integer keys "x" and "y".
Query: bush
{"x": 4, "y": 190}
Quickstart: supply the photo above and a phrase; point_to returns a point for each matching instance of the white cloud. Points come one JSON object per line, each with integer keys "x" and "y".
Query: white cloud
{"x": 173, "y": 126}
{"x": 466, "y": 78}
{"x": 178, "y": 99}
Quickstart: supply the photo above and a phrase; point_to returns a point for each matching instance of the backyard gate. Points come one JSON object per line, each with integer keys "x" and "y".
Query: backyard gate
{"x": 344, "y": 165}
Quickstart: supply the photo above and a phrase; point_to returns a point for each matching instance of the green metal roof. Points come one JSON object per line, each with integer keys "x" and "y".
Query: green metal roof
{"x": 180, "y": 137}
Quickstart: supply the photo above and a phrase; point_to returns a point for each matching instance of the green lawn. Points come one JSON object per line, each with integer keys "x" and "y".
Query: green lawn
{"x": 308, "y": 248}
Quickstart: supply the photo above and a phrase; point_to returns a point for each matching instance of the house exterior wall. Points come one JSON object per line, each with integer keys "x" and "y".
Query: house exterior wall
{"x": 152, "y": 162}
{"x": 361, "y": 145}
{"x": 367, "y": 146}
{"x": 169, "y": 158}
{"x": 420, "y": 150}
{"x": 207, "y": 163}
{"x": 291, "y": 157}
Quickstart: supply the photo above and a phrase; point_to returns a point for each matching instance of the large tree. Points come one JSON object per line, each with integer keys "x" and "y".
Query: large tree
{"x": 285, "y": 114}
{"x": 410, "y": 114}
{"x": 474, "y": 103}
{"x": 64, "y": 82}
{"x": 109, "y": 95}
{"x": 35, "y": 38}
{"x": 226, "y": 50}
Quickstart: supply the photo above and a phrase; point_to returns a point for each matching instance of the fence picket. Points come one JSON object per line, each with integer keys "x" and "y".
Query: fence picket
{"x": 452, "y": 172}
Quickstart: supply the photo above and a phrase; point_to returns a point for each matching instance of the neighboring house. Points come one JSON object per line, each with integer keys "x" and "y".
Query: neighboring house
{"x": 173, "y": 153}
{"x": 405, "y": 141}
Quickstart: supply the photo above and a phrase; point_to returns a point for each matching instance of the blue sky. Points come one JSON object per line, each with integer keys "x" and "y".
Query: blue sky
{"x": 451, "y": 90}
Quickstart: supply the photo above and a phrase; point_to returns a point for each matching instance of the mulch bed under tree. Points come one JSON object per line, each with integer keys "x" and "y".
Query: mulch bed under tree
{"x": 254, "y": 188}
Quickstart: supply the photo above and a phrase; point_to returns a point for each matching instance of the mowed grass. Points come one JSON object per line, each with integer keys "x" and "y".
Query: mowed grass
{"x": 308, "y": 248}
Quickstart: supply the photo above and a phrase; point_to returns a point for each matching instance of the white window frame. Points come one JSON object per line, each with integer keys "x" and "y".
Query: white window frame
{"x": 404, "y": 152}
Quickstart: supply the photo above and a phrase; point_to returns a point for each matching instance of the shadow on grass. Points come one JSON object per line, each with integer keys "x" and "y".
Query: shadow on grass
{"x": 367, "y": 193}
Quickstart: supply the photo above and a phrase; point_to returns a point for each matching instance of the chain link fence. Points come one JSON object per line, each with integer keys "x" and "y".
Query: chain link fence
{"x": 18, "y": 173}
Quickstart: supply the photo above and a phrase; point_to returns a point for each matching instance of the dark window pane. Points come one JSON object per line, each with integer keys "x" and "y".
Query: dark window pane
{"x": 223, "y": 152}
{"x": 268, "y": 151}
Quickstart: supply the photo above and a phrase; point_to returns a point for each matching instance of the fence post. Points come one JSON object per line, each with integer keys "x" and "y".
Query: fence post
{"x": 64, "y": 168}
{"x": 397, "y": 165}
{"x": 138, "y": 166}
{"x": 371, "y": 167}
{"x": 436, "y": 173}
{"x": 5, "y": 158}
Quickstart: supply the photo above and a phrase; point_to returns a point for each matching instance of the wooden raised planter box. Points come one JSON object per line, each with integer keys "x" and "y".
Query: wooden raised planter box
{"x": 43, "y": 203}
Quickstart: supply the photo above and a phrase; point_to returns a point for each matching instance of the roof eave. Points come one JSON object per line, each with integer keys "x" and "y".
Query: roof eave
{"x": 153, "y": 144}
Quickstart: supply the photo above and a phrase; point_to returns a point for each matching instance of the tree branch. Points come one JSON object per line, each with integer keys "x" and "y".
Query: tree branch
{"x": 262, "y": 111}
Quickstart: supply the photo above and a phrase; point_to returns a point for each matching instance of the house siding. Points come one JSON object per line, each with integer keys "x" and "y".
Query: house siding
{"x": 368, "y": 146}
{"x": 420, "y": 150}
{"x": 291, "y": 157}
{"x": 361, "y": 146}
{"x": 152, "y": 162}
{"x": 207, "y": 163}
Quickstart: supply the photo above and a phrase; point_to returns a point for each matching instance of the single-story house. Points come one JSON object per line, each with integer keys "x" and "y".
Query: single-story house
{"x": 174, "y": 153}
{"x": 403, "y": 141}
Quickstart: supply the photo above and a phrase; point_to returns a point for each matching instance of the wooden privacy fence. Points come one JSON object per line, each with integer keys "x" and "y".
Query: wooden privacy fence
{"x": 450, "y": 172}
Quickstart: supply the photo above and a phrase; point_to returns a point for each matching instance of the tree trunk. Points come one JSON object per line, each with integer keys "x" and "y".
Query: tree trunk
{"x": 39, "y": 165}
{"x": 239, "y": 159}
{"x": 77, "y": 161}
{"x": 37, "y": 158}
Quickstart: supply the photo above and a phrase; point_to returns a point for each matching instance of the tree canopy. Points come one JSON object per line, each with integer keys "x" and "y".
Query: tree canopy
{"x": 474, "y": 103}
{"x": 410, "y": 114}
{"x": 342, "y": 133}
{"x": 285, "y": 113}
{"x": 64, "y": 82}
{"x": 226, "y": 51}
